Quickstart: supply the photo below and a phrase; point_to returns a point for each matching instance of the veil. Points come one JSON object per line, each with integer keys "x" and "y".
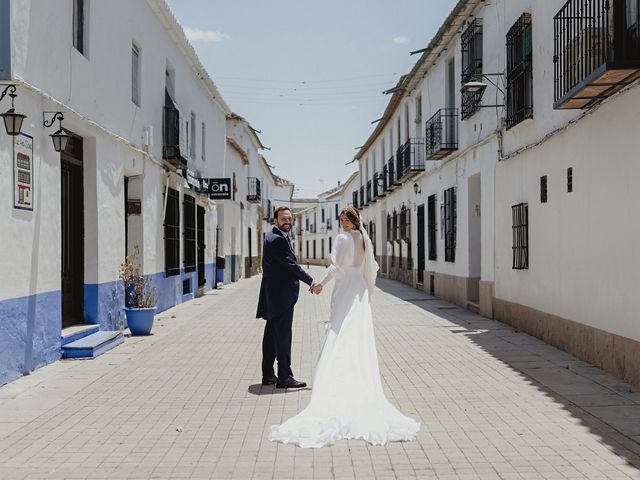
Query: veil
{"x": 370, "y": 267}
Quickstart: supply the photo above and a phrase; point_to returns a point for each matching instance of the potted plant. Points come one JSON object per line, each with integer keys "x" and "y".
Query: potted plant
{"x": 140, "y": 297}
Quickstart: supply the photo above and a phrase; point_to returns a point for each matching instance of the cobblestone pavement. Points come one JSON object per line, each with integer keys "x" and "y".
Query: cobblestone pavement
{"x": 186, "y": 402}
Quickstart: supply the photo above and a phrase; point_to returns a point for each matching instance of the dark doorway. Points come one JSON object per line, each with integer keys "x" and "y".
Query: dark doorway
{"x": 421, "y": 259}
{"x": 431, "y": 213}
{"x": 250, "y": 253}
{"x": 202, "y": 279}
{"x": 72, "y": 225}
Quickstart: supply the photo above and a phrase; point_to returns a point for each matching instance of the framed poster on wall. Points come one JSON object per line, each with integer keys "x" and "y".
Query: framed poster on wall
{"x": 23, "y": 172}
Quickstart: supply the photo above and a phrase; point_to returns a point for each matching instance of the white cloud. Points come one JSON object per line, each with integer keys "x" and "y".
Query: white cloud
{"x": 401, "y": 39}
{"x": 197, "y": 35}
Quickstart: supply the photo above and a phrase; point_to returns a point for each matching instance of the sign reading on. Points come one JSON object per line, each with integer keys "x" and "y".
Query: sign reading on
{"x": 23, "y": 172}
{"x": 219, "y": 188}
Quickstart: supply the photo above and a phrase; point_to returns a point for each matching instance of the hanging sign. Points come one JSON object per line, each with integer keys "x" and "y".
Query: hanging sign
{"x": 23, "y": 172}
{"x": 219, "y": 188}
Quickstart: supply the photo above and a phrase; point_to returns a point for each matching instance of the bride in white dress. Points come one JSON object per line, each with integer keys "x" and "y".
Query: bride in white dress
{"x": 347, "y": 400}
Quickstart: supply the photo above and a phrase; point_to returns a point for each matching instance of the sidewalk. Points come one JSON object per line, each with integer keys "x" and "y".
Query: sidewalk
{"x": 187, "y": 402}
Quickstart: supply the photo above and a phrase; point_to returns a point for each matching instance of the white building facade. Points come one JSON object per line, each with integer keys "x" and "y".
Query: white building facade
{"x": 146, "y": 124}
{"x": 496, "y": 175}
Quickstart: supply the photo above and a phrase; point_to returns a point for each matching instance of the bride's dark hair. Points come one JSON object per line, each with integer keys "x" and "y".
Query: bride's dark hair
{"x": 353, "y": 215}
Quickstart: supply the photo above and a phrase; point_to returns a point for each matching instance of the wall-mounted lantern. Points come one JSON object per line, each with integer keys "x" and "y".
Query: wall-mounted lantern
{"x": 12, "y": 120}
{"x": 59, "y": 138}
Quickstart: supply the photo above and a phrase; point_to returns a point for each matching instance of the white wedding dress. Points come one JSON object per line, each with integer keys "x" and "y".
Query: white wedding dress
{"x": 347, "y": 400}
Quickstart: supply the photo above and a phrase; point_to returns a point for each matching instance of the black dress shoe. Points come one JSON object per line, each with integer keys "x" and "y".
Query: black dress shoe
{"x": 290, "y": 383}
{"x": 270, "y": 380}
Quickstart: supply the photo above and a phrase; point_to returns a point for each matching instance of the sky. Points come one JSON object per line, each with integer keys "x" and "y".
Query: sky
{"x": 309, "y": 75}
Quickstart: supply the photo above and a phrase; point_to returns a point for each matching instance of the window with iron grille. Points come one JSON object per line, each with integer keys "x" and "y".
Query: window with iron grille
{"x": 307, "y": 248}
{"x": 543, "y": 189}
{"x": 520, "y": 218}
{"x": 519, "y": 71}
{"x": 355, "y": 199}
{"x": 471, "y": 49}
{"x": 389, "y": 238}
{"x": 570, "y": 179}
{"x": 329, "y": 245}
{"x": 395, "y": 226}
{"x": 431, "y": 225}
{"x": 314, "y": 249}
{"x": 403, "y": 223}
{"x": 189, "y": 233}
{"x": 172, "y": 233}
{"x": 337, "y": 213}
{"x": 450, "y": 218}
{"x": 323, "y": 219}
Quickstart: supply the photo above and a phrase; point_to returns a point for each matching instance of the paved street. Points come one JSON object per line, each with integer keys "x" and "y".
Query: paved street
{"x": 186, "y": 402}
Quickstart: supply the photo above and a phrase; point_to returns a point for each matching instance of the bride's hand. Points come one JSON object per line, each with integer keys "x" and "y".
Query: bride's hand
{"x": 316, "y": 289}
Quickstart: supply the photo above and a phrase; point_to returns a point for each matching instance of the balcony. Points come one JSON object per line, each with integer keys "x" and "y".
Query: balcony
{"x": 391, "y": 178}
{"x": 596, "y": 50}
{"x": 441, "y": 134}
{"x": 253, "y": 195}
{"x": 362, "y": 198}
{"x": 370, "y": 198}
{"x": 171, "y": 147}
{"x": 329, "y": 224}
{"x": 355, "y": 199}
{"x": 381, "y": 182}
{"x": 410, "y": 158}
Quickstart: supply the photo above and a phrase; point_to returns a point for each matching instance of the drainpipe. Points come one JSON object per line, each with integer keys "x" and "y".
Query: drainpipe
{"x": 166, "y": 191}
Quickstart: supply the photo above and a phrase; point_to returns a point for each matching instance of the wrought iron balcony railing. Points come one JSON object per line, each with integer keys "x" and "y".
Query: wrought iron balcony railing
{"x": 441, "y": 133}
{"x": 391, "y": 179}
{"x": 362, "y": 197}
{"x": 596, "y": 50}
{"x": 254, "y": 194}
{"x": 382, "y": 181}
{"x": 355, "y": 199}
{"x": 369, "y": 192}
{"x": 171, "y": 137}
{"x": 410, "y": 158}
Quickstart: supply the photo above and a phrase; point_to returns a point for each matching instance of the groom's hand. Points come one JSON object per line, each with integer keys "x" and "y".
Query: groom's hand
{"x": 313, "y": 284}
{"x": 316, "y": 289}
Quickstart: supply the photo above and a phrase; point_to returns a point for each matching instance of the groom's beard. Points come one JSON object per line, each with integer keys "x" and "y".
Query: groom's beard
{"x": 285, "y": 228}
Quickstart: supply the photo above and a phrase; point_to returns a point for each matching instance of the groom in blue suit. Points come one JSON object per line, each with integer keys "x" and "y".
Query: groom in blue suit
{"x": 281, "y": 276}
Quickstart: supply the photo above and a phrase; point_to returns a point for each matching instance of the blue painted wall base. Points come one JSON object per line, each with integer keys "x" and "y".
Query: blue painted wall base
{"x": 29, "y": 333}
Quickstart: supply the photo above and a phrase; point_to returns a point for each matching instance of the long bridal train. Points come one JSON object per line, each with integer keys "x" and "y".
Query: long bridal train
{"x": 347, "y": 400}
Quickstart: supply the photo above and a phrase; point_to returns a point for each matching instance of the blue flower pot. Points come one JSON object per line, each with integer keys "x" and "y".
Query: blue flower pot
{"x": 140, "y": 320}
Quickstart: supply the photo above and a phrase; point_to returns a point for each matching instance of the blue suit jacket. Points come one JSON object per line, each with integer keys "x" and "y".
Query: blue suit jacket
{"x": 281, "y": 277}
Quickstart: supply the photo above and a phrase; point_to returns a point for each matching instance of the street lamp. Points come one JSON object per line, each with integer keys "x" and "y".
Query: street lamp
{"x": 416, "y": 188}
{"x": 477, "y": 88}
{"x": 12, "y": 120}
{"x": 474, "y": 86}
{"x": 59, "y": 138}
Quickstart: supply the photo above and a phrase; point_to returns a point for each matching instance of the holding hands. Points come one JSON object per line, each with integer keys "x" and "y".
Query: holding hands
{"x": 315, "y": 288}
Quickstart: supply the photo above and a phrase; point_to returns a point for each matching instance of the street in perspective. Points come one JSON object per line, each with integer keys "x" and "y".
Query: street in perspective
{"x": 340, "y": 240}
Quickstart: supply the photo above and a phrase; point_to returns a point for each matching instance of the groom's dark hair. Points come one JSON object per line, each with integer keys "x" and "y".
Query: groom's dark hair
{"x": 278, "y": 210}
